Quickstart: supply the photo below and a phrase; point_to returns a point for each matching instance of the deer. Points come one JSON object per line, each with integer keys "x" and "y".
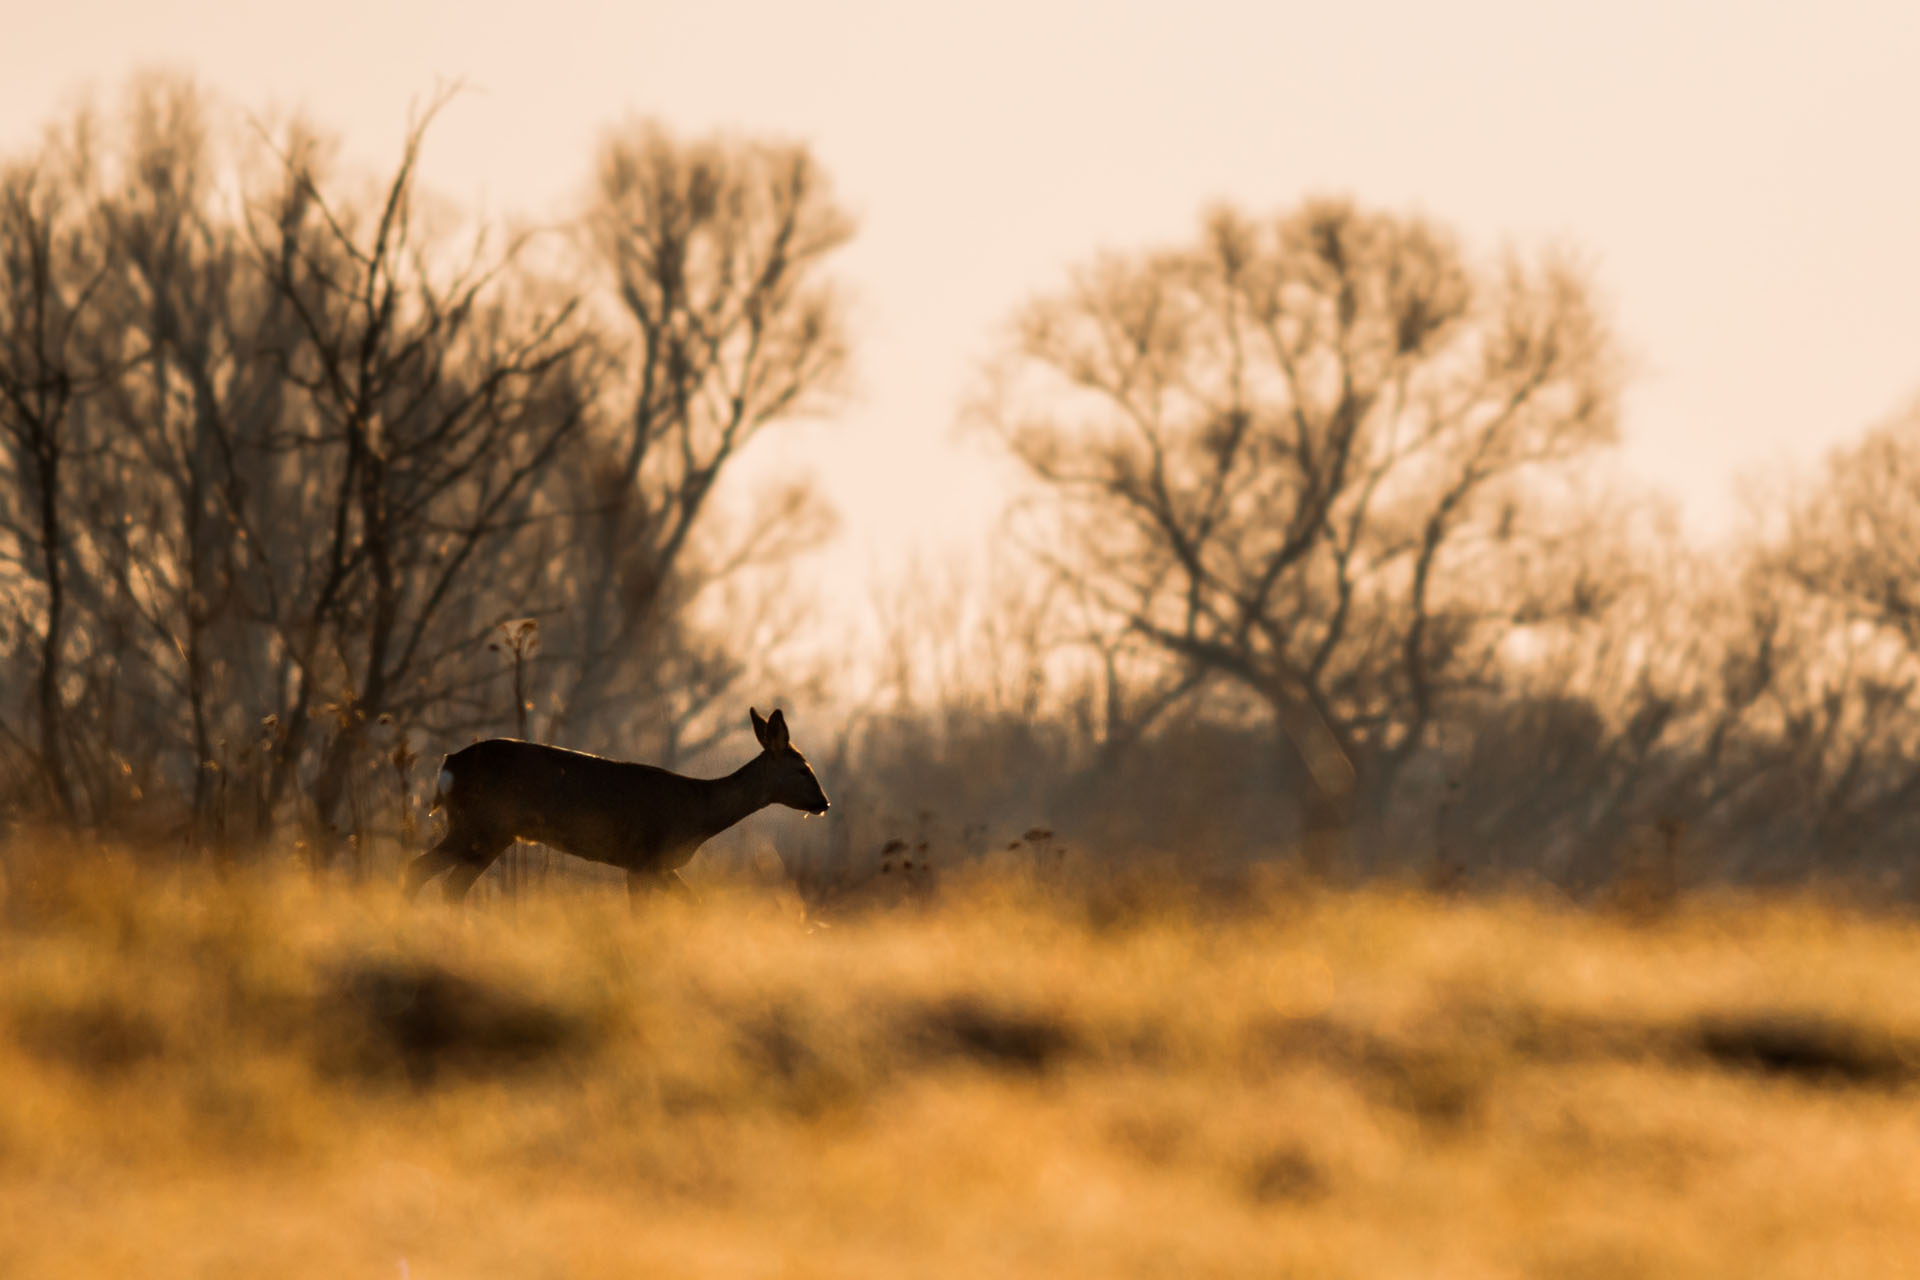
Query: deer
{"x": 643, "y": 819}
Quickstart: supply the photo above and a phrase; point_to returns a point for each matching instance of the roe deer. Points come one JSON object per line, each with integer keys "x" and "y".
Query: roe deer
{"x": 633, "y": 816}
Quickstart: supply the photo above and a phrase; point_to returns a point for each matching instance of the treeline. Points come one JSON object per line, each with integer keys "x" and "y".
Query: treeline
{"x": 1330, "y": 567}
{"x": 279, "y": 458}
{"x": 1315, "y": 559}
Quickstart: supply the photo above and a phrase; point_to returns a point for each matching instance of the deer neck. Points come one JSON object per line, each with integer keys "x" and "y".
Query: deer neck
{"x": 729, "y": 799}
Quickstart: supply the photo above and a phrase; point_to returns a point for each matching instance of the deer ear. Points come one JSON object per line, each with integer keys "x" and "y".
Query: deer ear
{"x": 759, "y": 725}
{"x": 776, "y": 739}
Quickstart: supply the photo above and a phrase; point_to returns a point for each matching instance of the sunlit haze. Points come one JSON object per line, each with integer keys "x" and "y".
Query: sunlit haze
{"x": 1738, "y": 177}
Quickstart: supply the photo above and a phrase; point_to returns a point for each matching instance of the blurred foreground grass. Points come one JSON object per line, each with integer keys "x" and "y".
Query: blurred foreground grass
{"x": 262, "y": 1078}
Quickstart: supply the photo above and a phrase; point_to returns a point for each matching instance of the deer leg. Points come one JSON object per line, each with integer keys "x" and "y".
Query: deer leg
{"x": 428, "y": 865}
{"x": 470, "y": 863}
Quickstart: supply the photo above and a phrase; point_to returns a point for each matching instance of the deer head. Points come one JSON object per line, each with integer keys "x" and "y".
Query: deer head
{"x": 788, "y": 777}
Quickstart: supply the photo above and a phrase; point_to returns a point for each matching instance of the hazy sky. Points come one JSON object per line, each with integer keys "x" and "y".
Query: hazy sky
{"x": 1743, "y": 177}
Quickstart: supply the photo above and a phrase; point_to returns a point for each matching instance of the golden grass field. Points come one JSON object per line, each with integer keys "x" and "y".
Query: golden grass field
{"x": 258, "y": 1078}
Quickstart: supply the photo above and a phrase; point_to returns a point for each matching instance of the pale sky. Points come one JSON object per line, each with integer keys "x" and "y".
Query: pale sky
{"x": 1744, "y": 178}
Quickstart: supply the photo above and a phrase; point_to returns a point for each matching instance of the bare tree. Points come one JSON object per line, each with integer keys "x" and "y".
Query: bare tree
{"x": 1855, "y": 540}
{"x": 1297, "y": 458}
{"x": 199, "y": 398}
{"x": 714, "y": 252}
{"x": 1841, "y": 642}
{"x": 52, "y": 266}
{"x": 425, "y": 409}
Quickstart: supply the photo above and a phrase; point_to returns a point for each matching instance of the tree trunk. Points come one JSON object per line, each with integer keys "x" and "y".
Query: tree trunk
{"x": 1331, "y": 779}
{"x": 53, "y": 551}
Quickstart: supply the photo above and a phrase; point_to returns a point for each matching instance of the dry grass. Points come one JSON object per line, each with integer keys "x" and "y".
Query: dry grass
{"x": 258, "y": 1078}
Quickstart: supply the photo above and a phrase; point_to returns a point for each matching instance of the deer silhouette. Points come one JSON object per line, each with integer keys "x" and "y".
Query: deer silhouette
{"x": 643, "y": 819}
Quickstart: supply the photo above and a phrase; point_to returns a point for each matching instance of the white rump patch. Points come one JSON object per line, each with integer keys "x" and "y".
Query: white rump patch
{"x": 445, "y": 784}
